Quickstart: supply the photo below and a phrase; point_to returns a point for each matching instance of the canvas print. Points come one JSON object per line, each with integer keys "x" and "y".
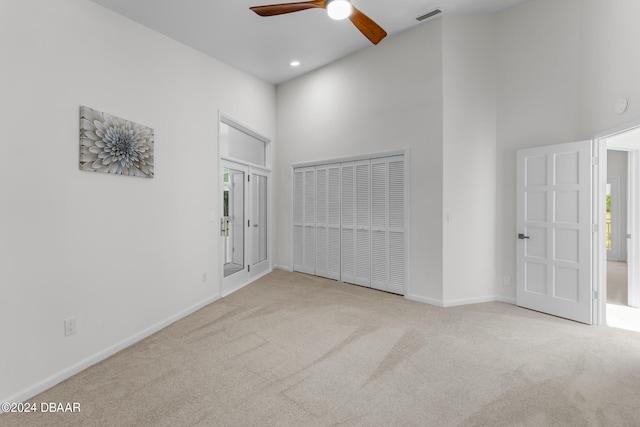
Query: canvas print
{"x": 113, "y": 145}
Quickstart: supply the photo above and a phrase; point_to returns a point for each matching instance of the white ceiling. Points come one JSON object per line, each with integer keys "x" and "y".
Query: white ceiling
{"x": 264, "y": 47}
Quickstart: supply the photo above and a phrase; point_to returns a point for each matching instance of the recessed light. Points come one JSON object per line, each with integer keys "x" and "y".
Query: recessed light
{"x": 295, "y": 63}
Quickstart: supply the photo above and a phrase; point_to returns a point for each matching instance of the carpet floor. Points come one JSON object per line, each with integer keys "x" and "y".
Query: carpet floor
{"x": 296, "y": 350}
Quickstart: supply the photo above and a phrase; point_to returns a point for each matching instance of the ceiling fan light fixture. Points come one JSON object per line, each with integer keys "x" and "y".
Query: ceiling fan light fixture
{"x": 339, "y": 9}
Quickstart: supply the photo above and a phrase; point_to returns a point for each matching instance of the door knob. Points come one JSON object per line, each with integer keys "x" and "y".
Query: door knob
{"x": 522, "y": 236}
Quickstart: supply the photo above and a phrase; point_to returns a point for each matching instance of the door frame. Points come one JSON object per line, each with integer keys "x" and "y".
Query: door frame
{"x": 250, "y": 168}
{"x": 600, "y": 211}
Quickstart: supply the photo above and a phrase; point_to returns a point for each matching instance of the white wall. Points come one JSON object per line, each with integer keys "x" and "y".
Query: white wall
{"x": 610, "y": 36}
{"x": 469, "y": 196}
{"x": 122, "y": 254}
{"x": 387, "y": 97}
{"x": 538, "y": 102}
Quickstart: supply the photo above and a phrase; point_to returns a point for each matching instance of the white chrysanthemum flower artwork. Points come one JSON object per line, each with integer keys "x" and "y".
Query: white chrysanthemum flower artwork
{"x": 110, "y": 144}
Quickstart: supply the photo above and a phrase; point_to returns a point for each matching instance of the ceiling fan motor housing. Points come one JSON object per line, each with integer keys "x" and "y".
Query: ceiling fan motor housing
{"x": 338, "y": 9}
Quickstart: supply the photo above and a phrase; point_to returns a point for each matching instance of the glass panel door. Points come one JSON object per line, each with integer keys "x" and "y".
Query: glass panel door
{"x": 259, "y": 222}
{"x": 233, "y": 199}
{"x": 259, "y": 230}
{"x": 233, "y": 234}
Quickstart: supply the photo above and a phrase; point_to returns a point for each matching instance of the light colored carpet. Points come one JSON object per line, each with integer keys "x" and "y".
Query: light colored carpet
{"x": 296, "y": 350}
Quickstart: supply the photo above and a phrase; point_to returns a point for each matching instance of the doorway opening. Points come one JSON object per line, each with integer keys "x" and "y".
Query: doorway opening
{"x": 245, "y": 180}
{"x": 622, "y": 223}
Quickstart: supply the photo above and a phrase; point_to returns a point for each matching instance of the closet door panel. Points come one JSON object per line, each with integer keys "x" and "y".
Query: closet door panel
{"x": 363, "y": 223}
{"x": 347, "y": 223}
{"x": 309, "y": 221}
{"x": 379, "y": 224}
{"x": 298, "y": 220}
{"x": 397, "y": 219}
{"x": 333, "y": 222}
{"x": 321, "y": 221}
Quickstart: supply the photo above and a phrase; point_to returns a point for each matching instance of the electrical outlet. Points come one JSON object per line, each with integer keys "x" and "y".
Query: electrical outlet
{"x": 204, "y": 277}
{"x": 506, "y": 281}
{"x": 70, "y": 326}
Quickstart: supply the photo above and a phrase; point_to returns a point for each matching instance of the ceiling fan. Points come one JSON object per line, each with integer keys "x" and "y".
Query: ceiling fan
{"x": 337, "y": 9}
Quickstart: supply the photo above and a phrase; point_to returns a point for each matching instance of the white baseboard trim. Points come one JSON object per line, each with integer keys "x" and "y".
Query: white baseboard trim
{"x": 459, "y": 302}
{"x": 66, "y": 373}
{"x": 430, "y": 301}
{"x": 467, "y": 301}
{"x": 283, "y": 267}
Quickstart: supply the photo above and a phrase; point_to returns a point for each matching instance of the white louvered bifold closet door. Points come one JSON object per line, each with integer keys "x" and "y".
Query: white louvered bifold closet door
{"x": 309, "y": 221}
{"x": 333, "y": 222}
{"x": 397, "y": 215}
{"x": 347, "y": 223}
{"x": 298, "y": 220}
{"x": 363, "y": 223}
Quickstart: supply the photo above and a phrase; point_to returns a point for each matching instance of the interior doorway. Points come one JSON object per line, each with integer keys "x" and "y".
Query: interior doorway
{"x": 622, "y": 223}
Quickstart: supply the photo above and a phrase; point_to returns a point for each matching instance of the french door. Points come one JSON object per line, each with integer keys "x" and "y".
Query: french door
{"x": 244, "y": 230}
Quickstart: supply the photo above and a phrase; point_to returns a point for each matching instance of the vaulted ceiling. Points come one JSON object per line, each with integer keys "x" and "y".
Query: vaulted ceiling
{"x": 265, "y": 47}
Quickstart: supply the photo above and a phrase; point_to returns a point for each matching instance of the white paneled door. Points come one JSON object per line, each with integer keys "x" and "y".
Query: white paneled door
{"x": 554, "y": 230}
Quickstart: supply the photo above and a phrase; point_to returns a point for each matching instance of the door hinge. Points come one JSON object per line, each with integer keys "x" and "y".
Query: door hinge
{"x": 595, "y": 294}
{"x": 594, "y": 228}
{"x": 248, "y": 223}
{"x": 594, "y": 161}
{"x": 248, "y": 268}
{"x": 248, "y": 178}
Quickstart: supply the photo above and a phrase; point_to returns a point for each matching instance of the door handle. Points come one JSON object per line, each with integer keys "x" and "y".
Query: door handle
{"x": 522, "y": 236}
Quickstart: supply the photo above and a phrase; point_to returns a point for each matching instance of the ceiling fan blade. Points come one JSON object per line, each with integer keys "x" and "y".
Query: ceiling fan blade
{"x": 367, "y": 26}
{"x": 280, "y": 9}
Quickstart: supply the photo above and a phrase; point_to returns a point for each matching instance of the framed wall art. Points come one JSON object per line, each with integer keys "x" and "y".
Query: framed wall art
{"x": 110, "y": 144}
